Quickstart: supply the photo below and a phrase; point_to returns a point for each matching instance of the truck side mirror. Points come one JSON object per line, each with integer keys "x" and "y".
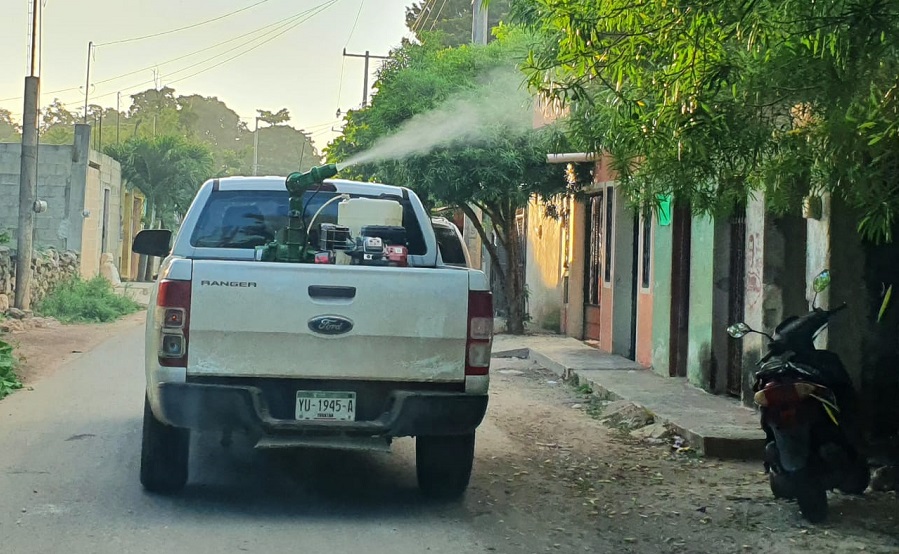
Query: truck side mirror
{"x": 153, "y": 242}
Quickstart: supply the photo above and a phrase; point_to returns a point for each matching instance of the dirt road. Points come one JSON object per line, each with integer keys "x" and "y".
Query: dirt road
{"x": 548, "y": 478}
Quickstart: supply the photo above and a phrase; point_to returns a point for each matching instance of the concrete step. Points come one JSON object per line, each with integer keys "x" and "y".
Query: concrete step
{"x": 716, "y": 426}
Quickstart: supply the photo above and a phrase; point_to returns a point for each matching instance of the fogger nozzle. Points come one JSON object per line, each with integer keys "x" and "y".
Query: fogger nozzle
{"x": 299, "y": 182}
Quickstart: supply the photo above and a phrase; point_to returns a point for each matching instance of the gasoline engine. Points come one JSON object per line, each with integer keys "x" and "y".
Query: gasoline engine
{"x": 368, "y": 231}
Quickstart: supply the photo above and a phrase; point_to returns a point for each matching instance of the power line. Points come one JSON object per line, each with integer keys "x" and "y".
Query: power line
{"x": 193, "y": 26}
{"x": 356, "y": 22}
{"x": 423, "y": 16}
{"x": 343, "y": 59}
{"x": 295, "y": 21}
{"x": 437, "y": 17}
{"x": 295, "y": 25}
{"x": 277, "y": 24}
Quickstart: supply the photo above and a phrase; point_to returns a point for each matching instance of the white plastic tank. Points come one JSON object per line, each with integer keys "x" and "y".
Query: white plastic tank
{"x": 357, "y": 213}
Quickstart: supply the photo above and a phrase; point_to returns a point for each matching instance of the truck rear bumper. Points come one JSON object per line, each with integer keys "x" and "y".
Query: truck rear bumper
{"x": 209, "y": 407}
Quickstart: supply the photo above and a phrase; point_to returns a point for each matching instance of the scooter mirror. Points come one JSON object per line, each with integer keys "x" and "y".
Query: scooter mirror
{"x": 822, "y": 281}
{"x": 739, "y": 330}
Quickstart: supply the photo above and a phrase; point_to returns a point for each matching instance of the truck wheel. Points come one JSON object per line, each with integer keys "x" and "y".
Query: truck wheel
{"x": 811, "y": 496}
{"x": 443, "y": 465}
{"x": 164, "y": 455}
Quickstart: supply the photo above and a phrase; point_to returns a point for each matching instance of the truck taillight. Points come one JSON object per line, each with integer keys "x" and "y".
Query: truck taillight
{"x": 480, "y": 333}
{"x": 173, "y": 315}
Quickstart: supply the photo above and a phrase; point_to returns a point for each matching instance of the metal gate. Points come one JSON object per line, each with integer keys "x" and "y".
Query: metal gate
{"x": 736, "y": 300}
{"x": 593, "y": 268}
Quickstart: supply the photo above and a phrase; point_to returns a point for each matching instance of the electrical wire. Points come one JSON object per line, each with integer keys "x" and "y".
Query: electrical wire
{"x": 343, "y": 61}
{"x": 355, "y": 22}
{"x": 277, "y": 24}
{"x": 423, "y": 16}
{"x": 437, "y": 17}
{"x": 179, "y": 29}
{"x": 306, "y": 16}
{"x": 256, "y": 46}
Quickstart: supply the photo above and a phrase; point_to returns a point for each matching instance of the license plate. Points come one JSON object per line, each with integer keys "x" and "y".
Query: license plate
{"x": 326, "y": 406}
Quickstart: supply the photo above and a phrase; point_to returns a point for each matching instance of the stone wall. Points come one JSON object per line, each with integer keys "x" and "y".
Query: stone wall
{"x": 50, "y": 267}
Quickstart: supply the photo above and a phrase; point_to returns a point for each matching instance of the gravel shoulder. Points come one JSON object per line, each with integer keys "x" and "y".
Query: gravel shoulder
{"x": 44, "y": 345}
{"x": 552, "y": 477}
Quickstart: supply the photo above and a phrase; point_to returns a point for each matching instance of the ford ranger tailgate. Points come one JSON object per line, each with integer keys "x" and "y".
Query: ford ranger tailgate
{"x": 327, "y": 321}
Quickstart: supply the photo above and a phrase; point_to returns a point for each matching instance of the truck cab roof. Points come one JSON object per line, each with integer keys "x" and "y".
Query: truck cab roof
{"x": 277, "y": 183}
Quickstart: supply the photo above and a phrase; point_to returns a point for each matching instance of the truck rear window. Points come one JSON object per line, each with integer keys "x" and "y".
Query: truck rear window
{"x": 451, "y": 248}
{"x": 246, "y": 219}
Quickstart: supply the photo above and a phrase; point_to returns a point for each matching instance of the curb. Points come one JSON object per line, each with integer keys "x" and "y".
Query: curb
{"x": 705, "y": 443}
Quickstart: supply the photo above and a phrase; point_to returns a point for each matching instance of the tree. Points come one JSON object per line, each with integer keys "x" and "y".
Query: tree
{"x": 497, "y": 167}
{"x": 783, "y": 96}
{"x": 56, "y": 124}
{"x": 274, "y": 118}
{"x": 450, "y": 21}
{"x": 167, "y": 169}
{"x": 10, "y": 131}
{"x": 283, "y": 150}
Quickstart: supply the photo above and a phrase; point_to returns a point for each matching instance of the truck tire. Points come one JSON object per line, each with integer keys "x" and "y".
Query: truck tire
{"x": 443, "y": 465}
{"x": 164, "y": 455}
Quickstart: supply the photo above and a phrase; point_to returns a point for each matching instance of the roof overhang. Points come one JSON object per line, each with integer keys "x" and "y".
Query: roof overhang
{"x": 572, "y": 157}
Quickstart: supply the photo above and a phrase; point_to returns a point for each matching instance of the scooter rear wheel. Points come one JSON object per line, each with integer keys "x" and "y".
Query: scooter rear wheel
{"x": 781, "y": 486}
{"x": 810, "y": 495}
{"x": 857, "y": 479}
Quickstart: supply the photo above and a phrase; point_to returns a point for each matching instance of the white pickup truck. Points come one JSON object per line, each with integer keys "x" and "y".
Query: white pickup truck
{"x": 309, "y": 355}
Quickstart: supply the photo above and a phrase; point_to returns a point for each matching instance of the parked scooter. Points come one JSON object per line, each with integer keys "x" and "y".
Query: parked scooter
{"x": 808, "y": 412}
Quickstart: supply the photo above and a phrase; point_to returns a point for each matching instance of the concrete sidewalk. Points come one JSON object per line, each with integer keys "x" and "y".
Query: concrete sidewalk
{"x": 716, "y": 426}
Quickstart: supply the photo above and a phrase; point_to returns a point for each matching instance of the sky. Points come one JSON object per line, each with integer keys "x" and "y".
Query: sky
{"x": 301, "y": 67}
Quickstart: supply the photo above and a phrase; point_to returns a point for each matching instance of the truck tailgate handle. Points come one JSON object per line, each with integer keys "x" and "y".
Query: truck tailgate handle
{"x": 326, "y": 291}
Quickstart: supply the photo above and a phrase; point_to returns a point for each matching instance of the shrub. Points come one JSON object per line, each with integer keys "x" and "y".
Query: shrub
{"x": 93, "y": 301}
{"x": 9, "y": 381}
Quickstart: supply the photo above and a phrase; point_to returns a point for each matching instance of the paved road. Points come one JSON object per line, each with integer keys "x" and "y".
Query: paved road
{"x": 547, "y": 478}
{"x": 69, "y": 457}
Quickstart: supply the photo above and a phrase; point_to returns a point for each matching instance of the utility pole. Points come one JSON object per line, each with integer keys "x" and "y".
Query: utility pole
{"x": 478, "y": 22}
{"x": 368, "y": 56}
{"x": 87, "y": 80}
{"x": 28, "y": 173}
{"x": 469, "y": 232}
{"x": 118, "y": 114}
{"x": 256, "y": 148}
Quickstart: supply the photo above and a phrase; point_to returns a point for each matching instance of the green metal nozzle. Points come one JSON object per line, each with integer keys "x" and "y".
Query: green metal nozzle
{"x": 298, "y": 183}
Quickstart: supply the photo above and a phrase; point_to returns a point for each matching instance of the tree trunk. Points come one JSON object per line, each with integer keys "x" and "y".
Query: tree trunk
{"x": 514, "y": 283}
{"x": 147, "y": 273}
{"x": 512, "y": 280}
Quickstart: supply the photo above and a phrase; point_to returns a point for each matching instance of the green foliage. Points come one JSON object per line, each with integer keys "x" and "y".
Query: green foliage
{"x": 497, "y": 172}
{"x": 168, "y": 170}
{"x": 93, "y": 301}
{"x": 274, "y": 118}
{"x": 712, "y": 101}
{"x": 449, "y": 23}
{"x": 202, "y": 119}
{"x": 10, "y": 131}
{"x": 9, "y": 381}
{"x": 5, "y": 237}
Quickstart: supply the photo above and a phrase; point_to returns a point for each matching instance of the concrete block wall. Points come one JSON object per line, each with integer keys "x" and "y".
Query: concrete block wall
{"x": 70, "y": 178}
{"x": 543, "y": 268}
{"x": 104, "y": 175}
{"x": 54, "y": 180}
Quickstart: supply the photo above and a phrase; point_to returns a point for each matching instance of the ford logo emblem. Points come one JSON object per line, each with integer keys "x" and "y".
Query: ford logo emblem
{"x": 330, "y": 325}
